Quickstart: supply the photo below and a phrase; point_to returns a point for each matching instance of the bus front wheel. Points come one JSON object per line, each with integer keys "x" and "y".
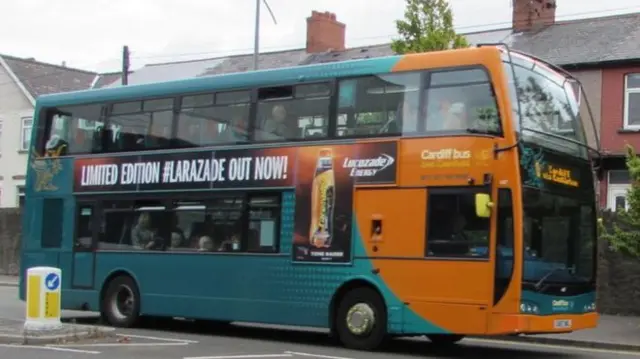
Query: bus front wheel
{"x": 361, "y": 319}
{"x": 121, "y": 302}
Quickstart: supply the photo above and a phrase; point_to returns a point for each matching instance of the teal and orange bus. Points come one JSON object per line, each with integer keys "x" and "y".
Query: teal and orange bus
{"x": 444, "y": 194}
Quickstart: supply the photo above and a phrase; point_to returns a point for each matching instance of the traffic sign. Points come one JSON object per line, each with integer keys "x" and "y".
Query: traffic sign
{"x": 52, "y": 281}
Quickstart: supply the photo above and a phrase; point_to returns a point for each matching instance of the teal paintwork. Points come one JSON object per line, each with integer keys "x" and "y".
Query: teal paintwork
{"x": 289, "y": 75}
{"x": 252, "y": 288}
{"x": 552, "y": 305}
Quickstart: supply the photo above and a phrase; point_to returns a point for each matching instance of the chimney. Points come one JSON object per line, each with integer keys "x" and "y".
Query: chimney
{"x": 533, "y": 14}
{"x": 324, "y": 32}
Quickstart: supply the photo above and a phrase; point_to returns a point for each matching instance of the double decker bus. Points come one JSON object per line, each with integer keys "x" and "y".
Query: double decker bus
{"x": 444, "y": 194}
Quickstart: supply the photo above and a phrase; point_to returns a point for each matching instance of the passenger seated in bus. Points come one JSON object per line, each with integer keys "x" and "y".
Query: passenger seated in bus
{"x": 457, "y": 118}
{"x": 177, "y": 240}
{"x": 199, "y": 229}
{"x": 142, "y": 235}
{"x": 176, "y": 232}
{"x": 205, "y": 244}
{"x": 276, "y": 126}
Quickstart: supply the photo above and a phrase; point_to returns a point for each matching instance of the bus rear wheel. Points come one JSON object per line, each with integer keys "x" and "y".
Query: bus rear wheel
{"x": 120, "y": 305}
{"x": 361, "y": 320}
{"x": 445, "y": 339}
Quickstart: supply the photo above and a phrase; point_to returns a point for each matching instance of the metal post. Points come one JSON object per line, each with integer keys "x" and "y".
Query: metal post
{"x": 256, "y": 38}
{"x": 125, "y": 65}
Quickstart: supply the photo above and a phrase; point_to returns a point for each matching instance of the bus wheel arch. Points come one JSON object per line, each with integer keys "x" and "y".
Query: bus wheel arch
{"x": 120, "y": 300}
{"x": 358, "y": 288}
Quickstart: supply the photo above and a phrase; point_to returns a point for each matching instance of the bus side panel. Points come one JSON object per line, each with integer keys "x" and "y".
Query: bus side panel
{"x": 253, "y": 288}
{"x": 34, "y": 253}
{"x": 450, "y": 294}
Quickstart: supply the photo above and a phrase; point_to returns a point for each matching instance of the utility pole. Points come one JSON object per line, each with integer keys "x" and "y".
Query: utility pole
{"x": 125, "y": 65}
{"x": 256, "y": 35}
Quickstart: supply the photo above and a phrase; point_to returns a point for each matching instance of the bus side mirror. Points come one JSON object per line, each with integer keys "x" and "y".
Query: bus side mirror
{"x": 483, "y": 205}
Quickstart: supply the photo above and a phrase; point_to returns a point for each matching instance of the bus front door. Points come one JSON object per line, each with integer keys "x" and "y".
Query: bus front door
{"x": 85, "y": 240}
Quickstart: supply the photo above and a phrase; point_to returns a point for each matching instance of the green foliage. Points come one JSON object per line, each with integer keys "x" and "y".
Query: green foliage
{"x": 623, "y": 230}
{"x": 427, "y": 26}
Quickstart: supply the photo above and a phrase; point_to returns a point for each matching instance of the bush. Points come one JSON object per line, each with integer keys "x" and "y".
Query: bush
{"x": 622, "y": 228}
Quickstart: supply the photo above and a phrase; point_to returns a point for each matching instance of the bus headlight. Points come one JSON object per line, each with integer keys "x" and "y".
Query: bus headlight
{"x": 529, "y": 308}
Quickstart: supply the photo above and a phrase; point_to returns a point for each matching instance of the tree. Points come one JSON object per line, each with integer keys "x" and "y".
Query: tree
{"x": 623, "y": 230}
{"x": 427, "y": 26}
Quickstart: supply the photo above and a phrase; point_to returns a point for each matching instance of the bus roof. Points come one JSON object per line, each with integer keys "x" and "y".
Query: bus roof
{"x": 229, "y": 81}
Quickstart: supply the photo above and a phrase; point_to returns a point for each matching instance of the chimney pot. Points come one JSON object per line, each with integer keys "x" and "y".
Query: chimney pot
{"x": 533, "y": 14}
{"x": 324, "y": 32}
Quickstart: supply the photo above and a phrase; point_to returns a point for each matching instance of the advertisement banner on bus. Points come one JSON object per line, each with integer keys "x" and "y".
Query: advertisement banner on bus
{"x": 373, "y": 163}
{"x": 324, "y": 195}
{"x": 186, "y": 170}
{"x": 323, "y": 177}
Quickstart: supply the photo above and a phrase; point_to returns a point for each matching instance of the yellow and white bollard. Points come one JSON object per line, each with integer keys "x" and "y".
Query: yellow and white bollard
{"x": 43, "y": 298}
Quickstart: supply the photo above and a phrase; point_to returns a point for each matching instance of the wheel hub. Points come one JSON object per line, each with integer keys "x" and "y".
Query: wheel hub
{"x": 360, "y": 319}
{"x": 123, "y": 302}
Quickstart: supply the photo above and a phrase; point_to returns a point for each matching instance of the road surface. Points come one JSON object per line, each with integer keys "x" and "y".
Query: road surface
{"x": 182, "y": 340}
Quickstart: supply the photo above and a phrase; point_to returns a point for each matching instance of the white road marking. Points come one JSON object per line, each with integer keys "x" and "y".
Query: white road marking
{"x": 554, "y": 346}
{"x": 315, "y": 355}
{"x": 18, "y": 346}
{"x": 159, "y": 339}
{"x": 248, "y": 356}
{"x": 116, "y": 345}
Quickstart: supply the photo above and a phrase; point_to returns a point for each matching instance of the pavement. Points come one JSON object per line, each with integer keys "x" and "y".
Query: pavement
{"x": 8, "y": 281}
{"x": 616, "y": 337}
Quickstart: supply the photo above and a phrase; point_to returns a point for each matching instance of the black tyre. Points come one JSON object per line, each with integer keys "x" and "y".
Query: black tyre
{"x": 120, "y": 305}
{"x": 361, "y": 320}
{"x": 445, "y": 339}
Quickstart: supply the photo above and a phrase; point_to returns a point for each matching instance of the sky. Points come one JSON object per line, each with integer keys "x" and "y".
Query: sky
{"x": 89, "y": 34}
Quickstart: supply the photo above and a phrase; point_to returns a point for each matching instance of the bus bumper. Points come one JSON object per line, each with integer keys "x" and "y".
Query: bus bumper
{"x": 541, "y": 324}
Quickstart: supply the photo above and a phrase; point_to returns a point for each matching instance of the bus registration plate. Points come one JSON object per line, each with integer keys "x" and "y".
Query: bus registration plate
{"x": 562, "y": 323}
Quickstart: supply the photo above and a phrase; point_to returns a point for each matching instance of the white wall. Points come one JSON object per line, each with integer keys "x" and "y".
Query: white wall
{"x": 14, "y": 106}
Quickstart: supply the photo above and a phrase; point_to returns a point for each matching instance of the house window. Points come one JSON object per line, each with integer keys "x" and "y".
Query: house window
{"x": 25, "y": 134}
{"x": 632, "y": 101}
{"x": 619, "y": 183}
{"x": 20, "y": 196}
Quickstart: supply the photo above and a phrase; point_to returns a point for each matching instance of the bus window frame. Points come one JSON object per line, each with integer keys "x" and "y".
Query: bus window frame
{"x": 425, "y": 85}
{"x": 96, "y": 210}
{"x": 333, "y": 85}
{"x": 333, "y": 135}
{"x": 333, "y": 91}
{"x": 167, "y": 200}
{"x": 178, "y": 110}
{"x": 456, "y": 190}
{"x": 459, "y": 133}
